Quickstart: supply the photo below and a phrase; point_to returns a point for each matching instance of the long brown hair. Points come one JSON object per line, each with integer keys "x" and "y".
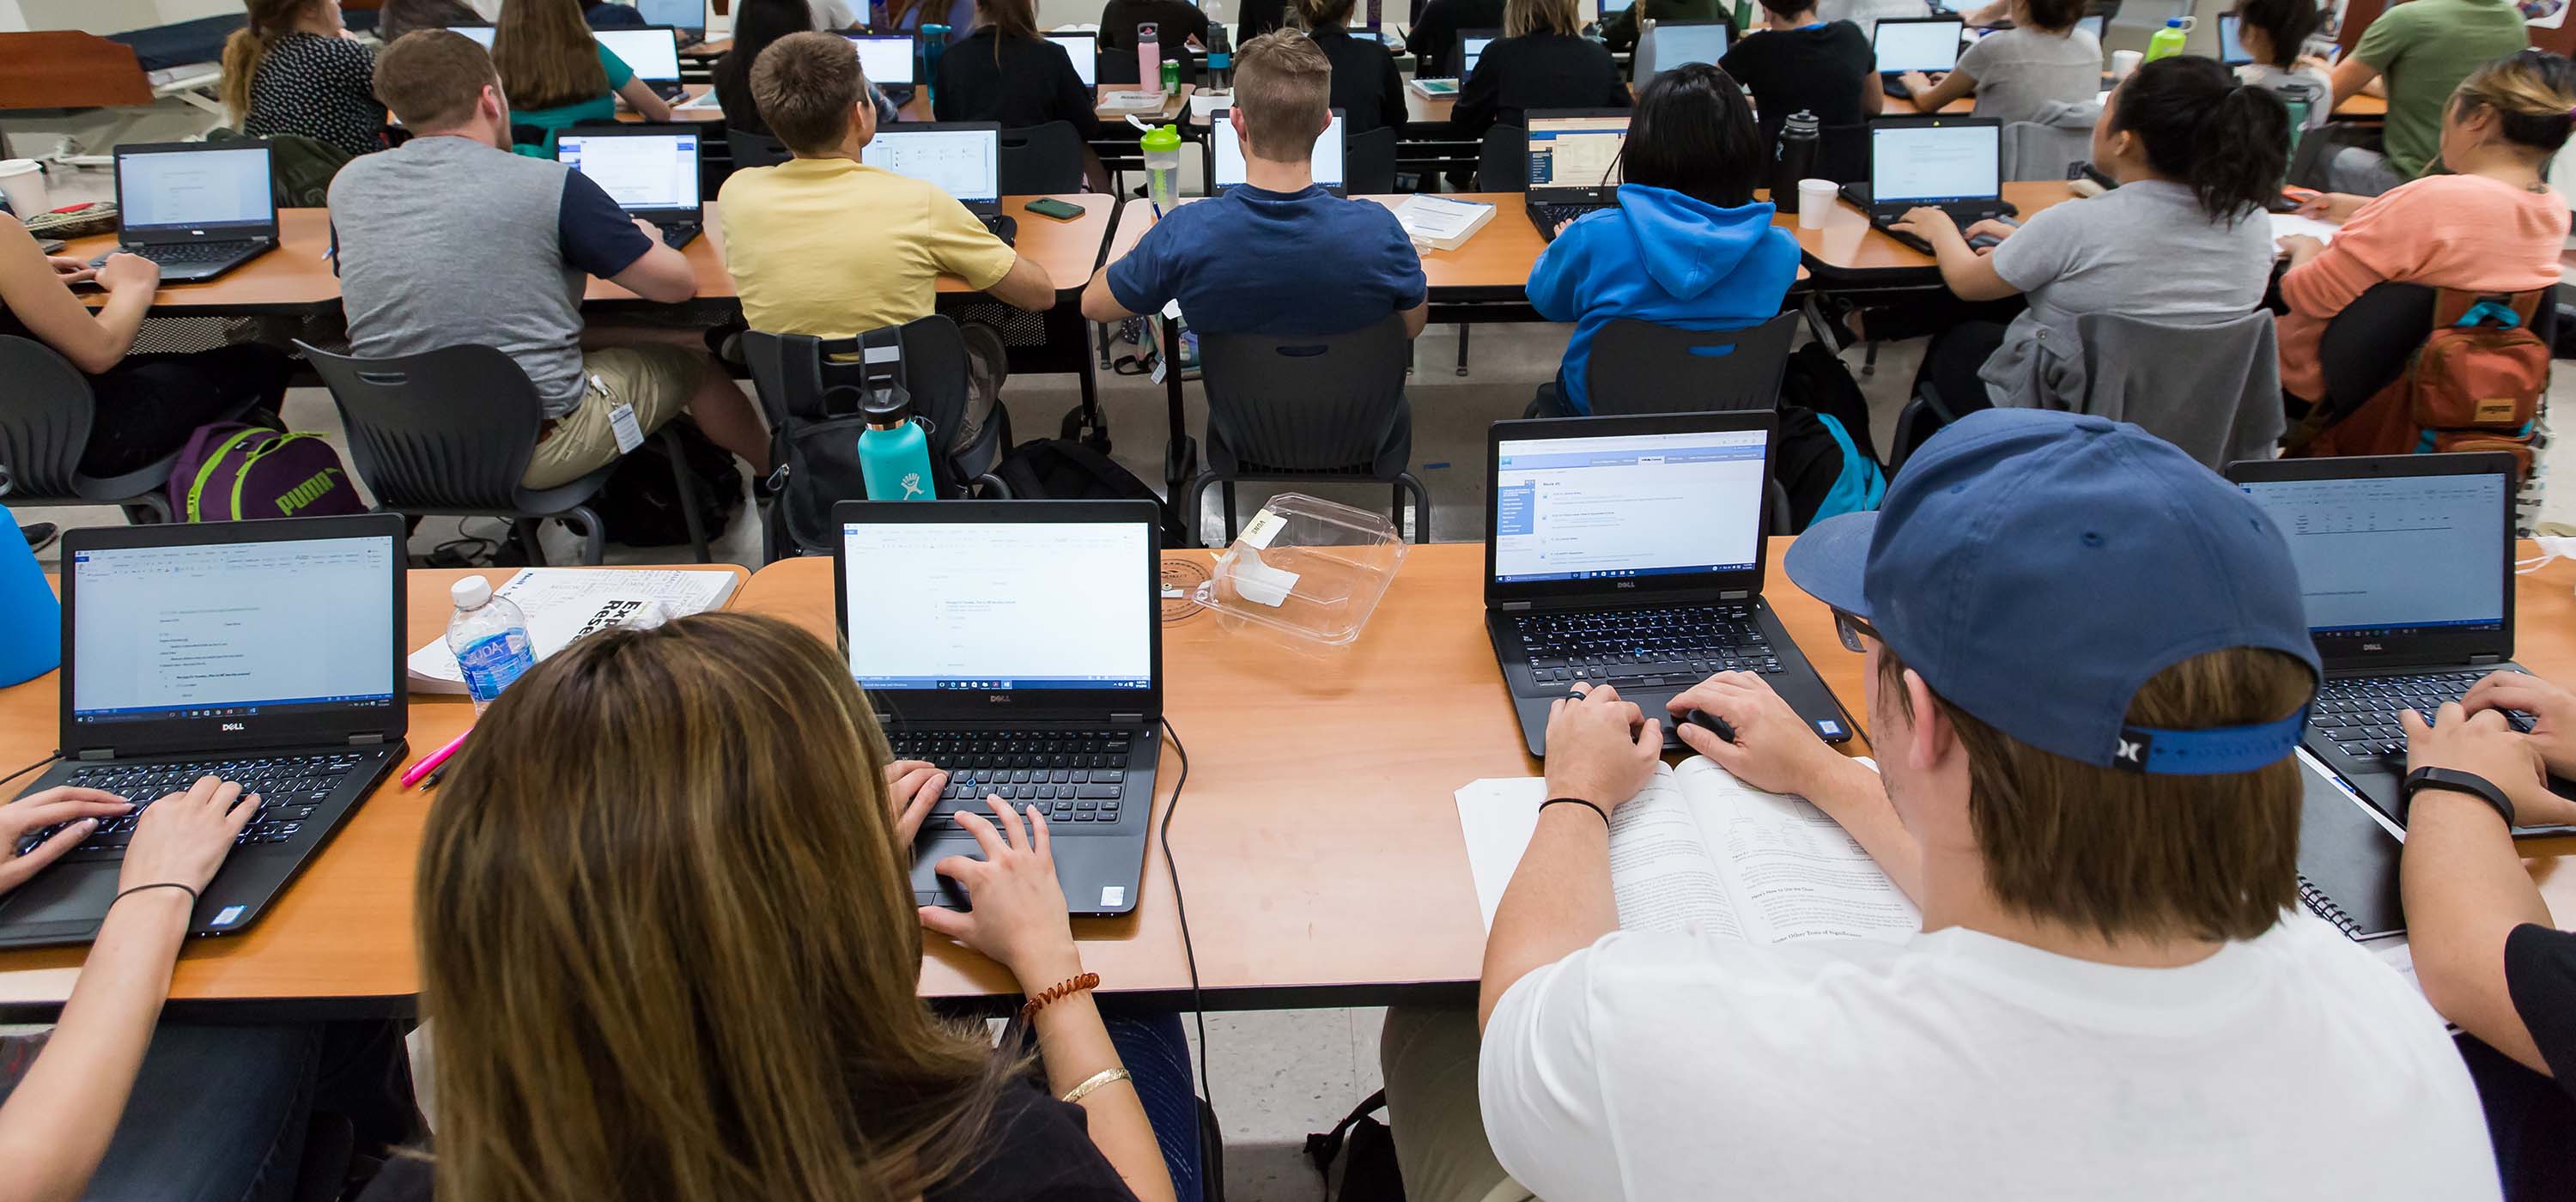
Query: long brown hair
{"x": 249, "y": 46}
{"x": 546, "y": 55}
{"x": 670, "y": 943}
{"x": 1523, "y": 18}
{"x": 1008, "y": 19}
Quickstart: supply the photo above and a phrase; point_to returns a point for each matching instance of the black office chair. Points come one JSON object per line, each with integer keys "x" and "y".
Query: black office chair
{"x": 1042, "y": 160}
{"x": 46, "y": 411}
{"x": 1641, "y": 367}
{"x": 451, "y": 432}
{"x": 1368, "y": 162}
{"x": 755, "y": 150}
{"x": 1299, "y": 408}
{"x": 1502, "y": 165}
{"x": 1922, "y": 417}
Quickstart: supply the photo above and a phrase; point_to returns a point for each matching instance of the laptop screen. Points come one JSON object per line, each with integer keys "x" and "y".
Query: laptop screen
{"x": 1471, "y": 49}
{"x": 1576, "y": 152}
{"x": 2231, "y": 51}
{"x": 1628, "y": 505}
{"x": 482, "y": 34}
{"x": 646, "y": 174}
{"x": 1917, "y": 45}
{"x": 653, "y": 53}
{"x": 1228, "y": 151}
{"x": 210, "y": 190}
{"x": 886, "y": 61}
{"x": 964, "y": 163}
{"x": 225, "y": 629}
{"x": 1680, "y": 44}
{"x": 2348, "y": 535}
{"x": 1084, "y": 50}
{"x": 1613, "y": 6}
{"x": 998, "y": 606}
{"x": 1934, "y": 162}
{"x": 685, "y": 14}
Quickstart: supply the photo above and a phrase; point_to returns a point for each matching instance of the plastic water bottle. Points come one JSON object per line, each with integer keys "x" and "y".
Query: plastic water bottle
{"x": 1162, "y": 147}
{"x": 1793, "y": 158}
{"x": 894, "y": 455}
{"x": 2167, "y": 42}
{"x": 489, "y": 637}
{"x": 934, "y": 42}
{"x": 1149, "y": 57}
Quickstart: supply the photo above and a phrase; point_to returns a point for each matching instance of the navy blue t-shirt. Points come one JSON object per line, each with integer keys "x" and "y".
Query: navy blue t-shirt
{"x": 1256, "y": 262}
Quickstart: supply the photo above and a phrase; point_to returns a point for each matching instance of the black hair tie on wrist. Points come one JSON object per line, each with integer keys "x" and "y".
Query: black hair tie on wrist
{"x": 192, "y": 894}
{"x": 1576, "y": 801}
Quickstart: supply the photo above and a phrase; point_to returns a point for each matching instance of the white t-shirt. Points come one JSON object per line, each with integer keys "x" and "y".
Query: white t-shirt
{"x": 833, "y": 16}
{"x": 1959, "y": 1065}
{"x": 2315, "y": 85}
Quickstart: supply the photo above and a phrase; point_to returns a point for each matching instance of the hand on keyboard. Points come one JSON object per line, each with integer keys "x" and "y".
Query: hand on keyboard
{"x": 1932, "y": 224}
{"x": 82, "y": 809}
{"x": 2488, "y": 746}
{"x": 184, "y": 837}
{"x": 912, "y": 791}
{"x": 1019, "y": 917}
{"x": 1774, "y": 749}
{"x": 122, "y": 271}
{"x": 2551, "y": 707}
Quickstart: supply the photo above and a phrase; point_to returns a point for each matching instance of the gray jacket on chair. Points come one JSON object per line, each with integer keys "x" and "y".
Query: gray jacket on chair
{"x": 2059, "y": 137}
{"x": 2213, "y": 389}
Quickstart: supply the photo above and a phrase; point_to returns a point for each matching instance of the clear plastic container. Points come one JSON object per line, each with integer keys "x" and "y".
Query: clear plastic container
{"x": 1305, "y": 572}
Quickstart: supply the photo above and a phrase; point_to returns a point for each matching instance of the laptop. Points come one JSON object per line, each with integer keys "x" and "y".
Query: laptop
{"x": 199, "y": 209}
{"x": 1630, "y": 551}
{"x": 651, "y": 171}
{"x": 1926, "y": 44}
{"x": 2230, "y": 51}
{"x": 1949, "y": 163}
{"x": 687, "y": 18}
{"x": 887, "y": 61}
{"x": 1671, "y": 44}
{"x": 1573, "y": 164}
{"x": 2406, "y": 566}
{"x": 266, "y": 652}
{"x": 482, "y": 34}
{"x": 654, "y": 53}
{"x": 1083, "y": 47}
{"x": 1225, "y": 155}
{"x": 964, "y": 158}
{"x": 1019, "y": 646}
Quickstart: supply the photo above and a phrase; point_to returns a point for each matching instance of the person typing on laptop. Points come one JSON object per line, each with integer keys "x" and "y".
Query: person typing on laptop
{"x": 1542, "y": 61}
{"x": 2046, "y": 56}
{"x": 2087, "y": 665}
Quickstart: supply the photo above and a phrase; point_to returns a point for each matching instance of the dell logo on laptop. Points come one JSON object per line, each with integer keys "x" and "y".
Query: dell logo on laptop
{"x": 998, "y": 698}
{"x": 232, "y": 726}
{"x": 1626, "y": 584}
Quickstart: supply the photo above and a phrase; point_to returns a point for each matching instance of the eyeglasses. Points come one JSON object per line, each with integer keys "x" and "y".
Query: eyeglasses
{"x": 1852, "y": 630}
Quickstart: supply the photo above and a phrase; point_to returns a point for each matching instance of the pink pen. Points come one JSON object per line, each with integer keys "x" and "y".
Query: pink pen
{"x": 429, "y": 763}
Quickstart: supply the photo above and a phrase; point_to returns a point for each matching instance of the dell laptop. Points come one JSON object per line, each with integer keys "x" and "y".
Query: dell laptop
{"x": 1573, "y": 164}
{"x": 270, "y": 653}
{"x": 1670, "y": 44}
{"x": 1225, "y": 155}
{"x": 1926, "y": 44}
{"x": 199, "y": 209}
{"x": 654, "y": 54}
{"x": 1471, "y": 48}
{"x": 1630, "y": 551}
{"x": 887, "y": 60}
{"x": 687, "y": 18}
{"x": 1083, "y": 47}
{"x": 2406, "y": 567}
{"x": 1017, "y": 645}
{"x": 1949, "y": 163}
{"x": 963, "y": 158}
{"x": 2232, "y": 52}
{"x": 482, "y": 34}
{"x": 651, "y": 171}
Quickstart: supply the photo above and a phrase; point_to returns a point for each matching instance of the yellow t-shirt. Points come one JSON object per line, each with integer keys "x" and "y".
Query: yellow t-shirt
{"x": 833, "y": 248}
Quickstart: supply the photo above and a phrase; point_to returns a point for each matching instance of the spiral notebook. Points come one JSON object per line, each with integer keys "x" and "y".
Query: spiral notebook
{"x": 2347, "y": 858}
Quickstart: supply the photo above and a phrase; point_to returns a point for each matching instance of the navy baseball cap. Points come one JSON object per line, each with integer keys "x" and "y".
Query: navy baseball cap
{"x": 2036, "y": 568}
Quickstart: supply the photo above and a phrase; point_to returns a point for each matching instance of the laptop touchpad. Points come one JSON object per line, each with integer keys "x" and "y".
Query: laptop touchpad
{"x": 71, "y": 893}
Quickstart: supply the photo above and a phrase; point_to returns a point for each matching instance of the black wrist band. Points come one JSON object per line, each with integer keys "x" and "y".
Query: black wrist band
{"x": 192, "y": 894}
{"x": 2469, "y": 783}
{"x": 1576, "y": 801}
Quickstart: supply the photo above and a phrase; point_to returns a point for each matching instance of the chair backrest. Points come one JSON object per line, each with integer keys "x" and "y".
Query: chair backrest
{"x": 755, "y": 150}
{"x": 792, "y": 372}
{"x": 2032, "y": 151}
{"x": 1640, "y": 367}
{"x": 45, "y": 413}
{"x": 452, "y": 428}
{"x": 1041, "y": 160}
{"x": 2210, "y": 388}
{"x": 1502, "y": 165}
{"x": 1368, "y": 162}
{"x": 1307, "y": 403}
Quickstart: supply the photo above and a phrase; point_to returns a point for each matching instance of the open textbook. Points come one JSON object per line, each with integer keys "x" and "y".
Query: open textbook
{"x": 1699, "y": 849}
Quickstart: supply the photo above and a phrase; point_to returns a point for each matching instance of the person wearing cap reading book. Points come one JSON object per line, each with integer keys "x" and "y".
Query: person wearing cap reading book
{"x": 2088, "y": 665}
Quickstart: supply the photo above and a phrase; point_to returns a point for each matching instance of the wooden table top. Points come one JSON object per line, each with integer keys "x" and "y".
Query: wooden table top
{"x": 1420, "y": 109}
{"x": 918, "y": 107}
{"x": 2361, "y": 105}
{"x": 1849, "y": 244}
{"x": 1319, "y": 803}
{"x": 684, "y": 111}
{"x": 298, "y": 276}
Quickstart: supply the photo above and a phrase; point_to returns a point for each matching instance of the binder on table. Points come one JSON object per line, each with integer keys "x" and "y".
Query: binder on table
{"x": 2347, "y": 860}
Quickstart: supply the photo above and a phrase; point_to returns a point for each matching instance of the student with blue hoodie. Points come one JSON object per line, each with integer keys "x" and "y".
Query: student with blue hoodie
{"x": 1688, "y": 245}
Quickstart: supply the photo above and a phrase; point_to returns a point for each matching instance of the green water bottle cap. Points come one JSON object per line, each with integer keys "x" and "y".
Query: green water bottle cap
{"x": 1161, "y": 137}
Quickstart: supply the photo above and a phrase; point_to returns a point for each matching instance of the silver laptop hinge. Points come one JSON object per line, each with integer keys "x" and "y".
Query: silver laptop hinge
{"x": 1735, "y": 594}
{"x": 97, "y": 753}
{"x": 1137, "y": 717}
{"x": 1513, "y": 607}
{"x": 2483, "y": 660}
{"x": 363, "y": 740}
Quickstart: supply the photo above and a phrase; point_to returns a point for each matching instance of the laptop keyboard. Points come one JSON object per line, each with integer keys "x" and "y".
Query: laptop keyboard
{"x": 291, "y": 789}
{"x": 2359, "y": 714}
{"x": 679, "y": 234}
{"x": 1645, "y": 648}
{"x": 1550, "y": 216}
{"x": 1079, "y": 776}
{"x": 190, "y": 252}
{"x": 1002, "y": 225}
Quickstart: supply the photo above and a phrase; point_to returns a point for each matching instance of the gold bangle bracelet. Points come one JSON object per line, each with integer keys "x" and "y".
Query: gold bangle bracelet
{"x": 1098, "y": 1079}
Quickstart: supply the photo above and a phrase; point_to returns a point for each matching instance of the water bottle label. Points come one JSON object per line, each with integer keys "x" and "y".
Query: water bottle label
{"x": 491, "y": 664}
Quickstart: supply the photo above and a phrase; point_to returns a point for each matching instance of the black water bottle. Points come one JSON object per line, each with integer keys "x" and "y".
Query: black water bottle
{"x": 1793, "y": 158}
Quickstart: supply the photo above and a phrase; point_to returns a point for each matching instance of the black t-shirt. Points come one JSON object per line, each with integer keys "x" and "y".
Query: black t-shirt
{"x": 1040, "y": 1151}
{"x": 1814, "y": 68}
{"x": 1433, "y": 38}
{"x": 2540, "y": 973}
{"x": 1019, "y": 82}
{"x": 1366, "y": 86}
{"x": 1539, "y": 71}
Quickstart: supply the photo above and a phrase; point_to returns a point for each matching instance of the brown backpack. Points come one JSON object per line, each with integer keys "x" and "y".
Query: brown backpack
{"x": 2476, "y": 384}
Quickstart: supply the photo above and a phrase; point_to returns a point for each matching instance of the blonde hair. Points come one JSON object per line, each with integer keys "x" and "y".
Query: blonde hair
{"x": 249, "y": 45}
{"x": 670, "y": 943}
{"x": 546, "y": 55}
{"x": 1521, "y": 18}
{"x": 2533, "y": 93}
{"x": 1283, "y": 90}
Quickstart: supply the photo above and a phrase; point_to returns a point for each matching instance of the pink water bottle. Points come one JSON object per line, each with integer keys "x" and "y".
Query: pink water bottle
{"x": 1149, "y": 58}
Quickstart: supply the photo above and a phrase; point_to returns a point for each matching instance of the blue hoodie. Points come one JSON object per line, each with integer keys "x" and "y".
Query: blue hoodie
{"x": 1661, "y": 257}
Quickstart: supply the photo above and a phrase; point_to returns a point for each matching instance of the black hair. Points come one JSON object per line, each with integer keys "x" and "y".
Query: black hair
{"x": 2288, "y": 23}
{"x": 757, "y": 24}
{"x": 1783, "y": 9}
{"x": 2228, "y": 141}
{"x": 1693, "y": 132}
{"x": 2056, "y": 16}
{"x": 2533, "y": 95}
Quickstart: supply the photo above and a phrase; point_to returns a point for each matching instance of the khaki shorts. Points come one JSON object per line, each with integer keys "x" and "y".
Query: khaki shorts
{"x": 657, "y": 380}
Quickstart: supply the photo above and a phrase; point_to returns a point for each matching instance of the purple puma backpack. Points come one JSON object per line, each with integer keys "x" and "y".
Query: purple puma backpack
{"x": 231, "y": 472}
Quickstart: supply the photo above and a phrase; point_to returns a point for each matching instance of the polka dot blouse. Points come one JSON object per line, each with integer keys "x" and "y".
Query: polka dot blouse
{"x": 320, "y": 88}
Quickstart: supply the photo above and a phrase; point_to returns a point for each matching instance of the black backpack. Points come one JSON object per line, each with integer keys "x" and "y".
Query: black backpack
{"x": 1369, "y": 1171}
{"x": 640, "y": 504}
{"x": 1060, "y": 469}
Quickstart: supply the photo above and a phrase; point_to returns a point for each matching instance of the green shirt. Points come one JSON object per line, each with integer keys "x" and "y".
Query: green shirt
{"x": 600, "y": 110}
{"x": 2425, "y": 48}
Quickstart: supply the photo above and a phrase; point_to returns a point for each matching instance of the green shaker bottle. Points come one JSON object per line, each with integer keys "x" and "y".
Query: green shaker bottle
{"x": 1162, "y": 147}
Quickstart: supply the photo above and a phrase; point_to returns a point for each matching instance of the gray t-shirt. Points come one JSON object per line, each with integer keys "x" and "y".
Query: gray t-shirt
{"x": 2019, "y": 71}
{"x": 449, "y": 242}
{"x": 2142, "y": 250}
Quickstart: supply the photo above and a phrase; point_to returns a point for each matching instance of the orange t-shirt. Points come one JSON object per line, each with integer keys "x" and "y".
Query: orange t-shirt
{"x": 2449, "y": 231}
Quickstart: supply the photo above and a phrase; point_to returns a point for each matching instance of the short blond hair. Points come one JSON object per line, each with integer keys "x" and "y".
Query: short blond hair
{"x": 1521, "y": 18}
{"x": 1283, "y": 90}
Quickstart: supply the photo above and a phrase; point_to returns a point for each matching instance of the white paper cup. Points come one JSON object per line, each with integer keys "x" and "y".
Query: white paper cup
{"x": 23, "y": 182}
{"x": 1815, "y": 198}
{"x": 2123, "y": 62}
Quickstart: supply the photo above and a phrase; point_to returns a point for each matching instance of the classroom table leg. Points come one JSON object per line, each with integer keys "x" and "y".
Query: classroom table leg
{"x": 1180, "y": 452}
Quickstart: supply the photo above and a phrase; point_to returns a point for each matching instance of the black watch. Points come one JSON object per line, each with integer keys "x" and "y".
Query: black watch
{"x": 2458, "y": 782}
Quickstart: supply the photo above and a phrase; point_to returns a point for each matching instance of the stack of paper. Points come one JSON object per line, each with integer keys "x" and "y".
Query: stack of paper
{"x": 1441, "y": 223}
{"x": 1434, "y": 89}
{"x": 1132, "y": 102}
{"x": 564, "y": 604}
{"x": 2286, "y": 224}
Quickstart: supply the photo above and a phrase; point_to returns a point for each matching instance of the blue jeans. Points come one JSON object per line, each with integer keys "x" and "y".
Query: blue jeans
{"x": 1150, "y": 1044}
